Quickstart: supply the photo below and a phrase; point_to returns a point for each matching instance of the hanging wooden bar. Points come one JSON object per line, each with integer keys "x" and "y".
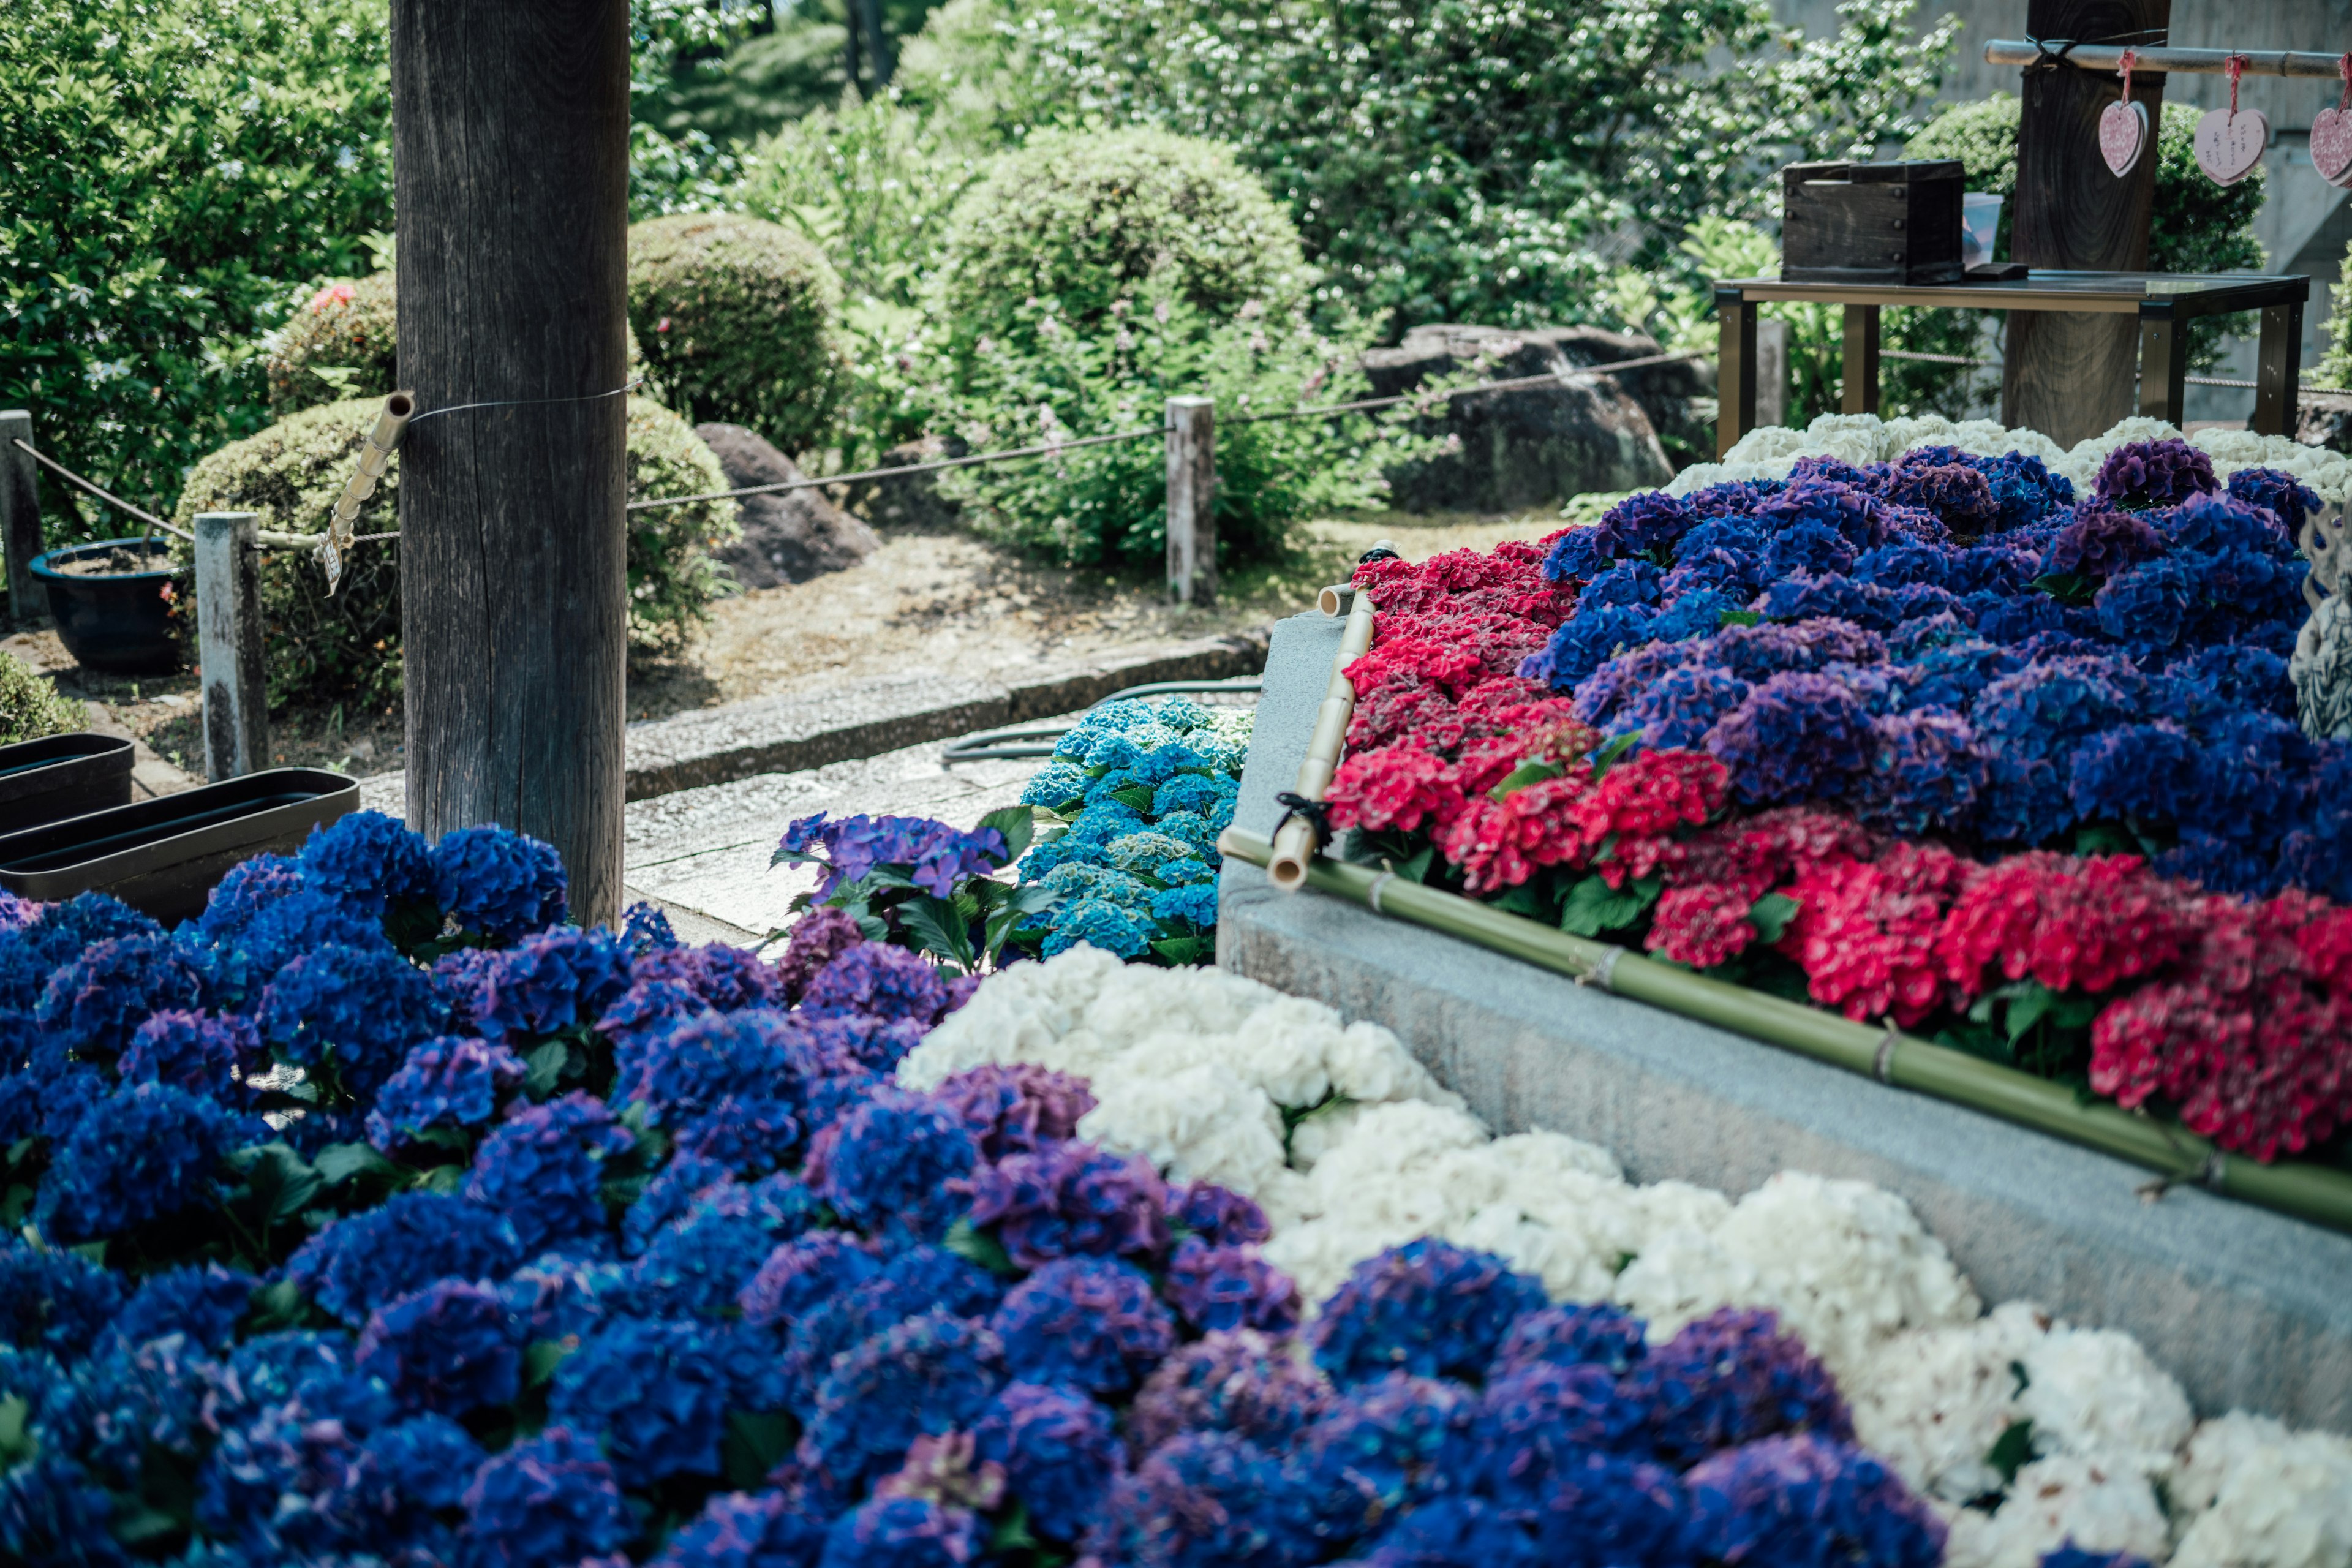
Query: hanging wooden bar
{"x": 2208, "y": 62}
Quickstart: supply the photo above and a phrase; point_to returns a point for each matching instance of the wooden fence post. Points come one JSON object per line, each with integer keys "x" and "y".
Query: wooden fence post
{"x": 20, "y": 514}
{"x": 1192, "y": 501}
{"x": 228, "y": 642}
{"x": 1771, "y": 372}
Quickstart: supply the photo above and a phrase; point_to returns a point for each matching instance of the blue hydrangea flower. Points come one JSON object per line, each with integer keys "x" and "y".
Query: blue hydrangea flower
{"x": 696, "y": 1266}
{"x": 902, "y": 1532}
{"x": 920, "y": 1280}
{"x": 1201, "y": 793}
{"x": 1584, "y": 641}
{"x": 497, "y": 883}
{"x": 1232, "y": 1380}
{"x": 1196, "y": 903}
{"x": 559, "y": 1298}
{"x": 2278, "y": 492}
{"x": 552, "y": 982}
{"x": 448, "y": 1348}
{"x": 879, "y": 981}
{"x": 659, "y": 1393}
{"x": 668, "y": 1196}
{"x": 204, "y": 1302}
{"x": 369, "y": 861}
{"x": 1799, "y": 736}
{"x": 1629, "y": 583}
{"x": 644, "y": 928}
{"x": 1230, "y": 1287}
{"x": 364, "y": 1260}
{"x": 143, "y": 1152}
{"x": 747, "y": 1530}
{"x": 1803, "y": 1500}
{"x": 1093, "y": 1323}
{"x": 97, "y": 999}
{"x": 1925, "y": 772}
{"x": 1060, "y": 782}
{"x": 1571, "y": 1335}
{"x": 246, "y": 889}
{"x": 934, "y": 854}
{"x": 428, "y": 1460}
{"x": 1733, "y": 1378}
{"x": 1377, "y": 1448}
{"x": 1094, "y": 920}
{"x": 31, "y": 955}
{"x": 728, "y": 978}
{"x": 550, "y": 1499}
{"x": 542, "y": 1169}
{"x": 444, "y": 1082}
{"x": 1681, "y": 706}
{"x": 352, "y": 1012}
{"x": 198, "y": 1052}
{"x": 1696, "y": 614}
{"x": 1060, "y": 1451}
{"x": 1427, "y": 1308}
{"x": 1209, "y": 1500}
{"x": 52, "y": 1300}
{"x": 888, "y": 1166}
{"x": 802, "y": 1274}
{"x": 929, "y": 1374}
{"x": 301, "y": 1366}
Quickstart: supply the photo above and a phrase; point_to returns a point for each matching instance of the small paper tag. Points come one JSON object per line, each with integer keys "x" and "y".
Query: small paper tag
{"x": 2122, "y": 135}
{"x": 2331, "y": 146}
{"x": 2230, "y": 144}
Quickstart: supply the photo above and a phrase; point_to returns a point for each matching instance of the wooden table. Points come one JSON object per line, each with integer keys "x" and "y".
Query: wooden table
{"x": 2164, "y": 301}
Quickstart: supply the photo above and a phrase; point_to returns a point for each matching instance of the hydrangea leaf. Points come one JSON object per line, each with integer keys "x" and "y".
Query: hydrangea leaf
{"x": 938, "y": 929}
{"x": 1594, "y": 906}
{"x": 339, "y": 1163}
{"x": 755, "y": 1443}
{"x": 1771, "y": 916}
{"x": 1182, "y": 950}
{"x": 967, "y": 1240}
{"x": 1135, "y": 797}
{"x": 1017, "y": 824}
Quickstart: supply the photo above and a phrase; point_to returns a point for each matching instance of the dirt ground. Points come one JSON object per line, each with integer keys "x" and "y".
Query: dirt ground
{"x": 940, "y": 599}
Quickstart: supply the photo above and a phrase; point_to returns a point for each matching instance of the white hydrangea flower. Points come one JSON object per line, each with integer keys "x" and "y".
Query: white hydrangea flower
{"x": 2137, "y": 427}
{"x": 1015, "y": 1014}
{"x": 1915, "y": 430}
{"x": 2094, "y": 1394}
{"x": 1379, "y": 1174}
{"x": 1676, "y": 1206}
{"x": 1825, "y": 425}
{"x": 1369, "y": 1063}
{"x": 1846, "y": 1264}
{"x": 1197, "y": 1124}
{"x": 1698, "y": 477}
{"x": 1537, "y": 1156}
{"x": 1320, "y": 1131}
{"x": 1571, "y": 1264}
{"x": 1149, "y": 1002}
{"x": 1764, "y": 442}
{"x": 2286, "y": 1503}
{"x": 2065, "y": 1499}
{"x": 1980, "y": 437}
{"x": 1283, "y": 1048}
{"x": 1320, "y": 1253}
{"x": 1933, "y": 1402}
{"x": 1683, "y": 1274}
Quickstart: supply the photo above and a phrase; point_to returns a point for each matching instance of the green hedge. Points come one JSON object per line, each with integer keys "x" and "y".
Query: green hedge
{"x": 739, "y": 320}
{"x": 340, "y": 343}
{"x": 30, "y": 707}
{"x": 345, "y": 650}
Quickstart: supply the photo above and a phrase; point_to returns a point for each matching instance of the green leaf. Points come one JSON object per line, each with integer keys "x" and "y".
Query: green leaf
{"x": 16, "y": 1446}
{"x": 546, "y": 1069}
{"x": 2067, "y": 587}
{"x": 1771, "y": 916}
{"x": 933, "y": 925}
{"x": 1526, "y": 773}
{"x": 1135, "y": 797}
{"x": 1594, "y": 906}
{"x": 1735, "y": 618}
{"x": 968, "y": 1241}
{"x": 1608, "y": 755}
{"x": 339, "y": 1163}
{"x": 282, "y": 1184}
{"x": 2104, "y": 838}
{"x": 1015, "y": 906}
{"x": 756, "y": 1441}
{"x": 874, "y": 928}
{"x": 140, "y": 1524}
{"x": 1011, "y": 1533}
{"x": 2011, "y": 1450}
{"x": 2026, "y": 1009}
{"x": 14, "y": 1206}
{"x": 444, "y": 1179}
{"x": 278, "y": 1305}
{"x": 1019, "y": 825}
{"x": 1416, "y": 869}
{"x": 542, "y": 1357}
{"x": 1179, "y": 950}
{"x": 1528, "y": 900}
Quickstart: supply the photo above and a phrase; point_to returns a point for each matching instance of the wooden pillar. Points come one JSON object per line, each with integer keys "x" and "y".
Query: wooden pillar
{"x": 228, "y": 644}
{"x": 1772, "y": 371}
{"x": 20, "y": 515}
{"x": 2070, "y": 376}
{"x": 1735, "y": 369}
{"x": 510, "y": 138}
{"x": 1858, "y": 382}
{"x": 1192, "y": 501}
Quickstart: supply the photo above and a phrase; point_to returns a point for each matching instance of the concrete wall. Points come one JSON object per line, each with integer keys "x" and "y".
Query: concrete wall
{"x": 2247, "y": 1307}
{"x": 2305, "y": 223}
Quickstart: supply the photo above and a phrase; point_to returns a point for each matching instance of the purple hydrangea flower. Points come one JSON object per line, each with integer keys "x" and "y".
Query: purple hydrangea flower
{"x": 1091, "y": 1323}
{"x": 366, "y": 1259}
{"x": 1799, "y": 736}
{"x": 1850, "y": 509}
{"x": 447, "y": 1348}
{"x": 1230, "y": 1287}
{"x": 1059, "y": 1451}
{"x": 1679, "y": 708}
{"x": 543, "y": 1168}
{"x": 1071, "y": 1200}
{"x": 1959, "y": 495}
{"x": 2153, "y": 473}
{"x": 879, "y": 981}
{"x": 1925, "y": 772}
{"x": 646, "y": 1013}
{"x": 1756, "y": 654}
{"x": 728, "y": 978}
{"x": 1377, "y": 1450}
{"x": 802, "y": 1274}
{"x": 499, "y": 883}
{"x": 444, "y": 1082}
{"x": 927, "y": 1375}
{"x": 659, "y": 1392}
{"x": 1647, "y": 520}
{"x": 1207, "y": 1499}
{"x": 2101, "y": 541}
{"x": 552, "y": 982}
{"x": 744, "y": 1530}
{"x": 97, "y": 999}
{"x": 1808, "y": 1500}
{"x": 1571, "y": 1335}
{"x": 888, "y": 1165}
{"x": 1809, "y": 545}
{"x": 817, "y": 938}
{"x": 1219, "y": 1216}
{"x": 550, "y": 1499}
{"x": 1732, "y": 1377}
{"x": 692, "y": 1073}
{"x": 199, "y": 1052}
{"x": 933, "y": 854}
{"x": 902, "y": 1532}
{"x": 947, "y": 1469}
{"x": 1237, "y": 1381}
{"x": 350, "y": 1012}
{"x": 1017, "y": 1108}
{"x": 369, "y": 861}
{"x": 1428, "y": 1308}
{"x": 143, "y": 1152}
{"x": 2278, "y": 492}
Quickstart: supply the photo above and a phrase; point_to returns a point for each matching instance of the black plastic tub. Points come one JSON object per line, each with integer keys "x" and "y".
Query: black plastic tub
{"x": 62, "y": 776}
{"x": 165, "y": 857}
{"x": 119, "y": 621}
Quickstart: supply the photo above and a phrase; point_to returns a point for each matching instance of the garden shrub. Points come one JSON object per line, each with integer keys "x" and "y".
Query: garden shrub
{"x": 739, "y": 321}
{"x": 341, "y": 343}
{"x": 345, "y": 650}
{"x": 30, "y": 707}
{"x": 2335, "y": 359}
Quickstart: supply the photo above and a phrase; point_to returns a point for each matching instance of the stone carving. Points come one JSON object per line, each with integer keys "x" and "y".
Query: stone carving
{"x": 2321, "y": 666}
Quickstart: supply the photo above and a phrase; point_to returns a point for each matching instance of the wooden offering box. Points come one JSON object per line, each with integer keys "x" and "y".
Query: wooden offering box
{"x": 1870, "y": 223}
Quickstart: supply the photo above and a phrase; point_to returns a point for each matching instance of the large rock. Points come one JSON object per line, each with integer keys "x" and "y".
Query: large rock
{"x": 2326, "y": 422}
{"x": 909, "y": 502}
{"x": 789, "y": 536}
{"x": 1537, "y": 446}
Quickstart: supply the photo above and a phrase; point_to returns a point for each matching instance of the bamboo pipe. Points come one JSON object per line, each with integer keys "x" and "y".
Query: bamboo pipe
{"x": 1295, "y": 842}
{"x": 2311, "y": 1192}
{"x": 376, "y": 456}
{"x": 2208, "y": 62}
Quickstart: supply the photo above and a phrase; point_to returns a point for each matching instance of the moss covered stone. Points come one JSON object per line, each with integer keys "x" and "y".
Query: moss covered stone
{"x": 345, "y": 650}
{"x": 1084, "y": 219}
{"x": 740, "y": 322}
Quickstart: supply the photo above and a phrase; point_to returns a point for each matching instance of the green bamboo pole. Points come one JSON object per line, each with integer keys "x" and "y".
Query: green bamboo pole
{"x": 2316, "y": 1192}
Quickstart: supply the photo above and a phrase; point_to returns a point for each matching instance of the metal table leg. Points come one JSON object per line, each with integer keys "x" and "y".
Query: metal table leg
{"x": 2163, "y": 362}
{"x": 2275, "y": 411}
{"x": 1735, "y": 369}
{"x": 1859, "y": 394}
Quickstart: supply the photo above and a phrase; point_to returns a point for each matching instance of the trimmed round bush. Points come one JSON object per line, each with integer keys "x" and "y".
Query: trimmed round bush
{"x": 30, "y": 707}
{"x": 338, "y": 344}
{"x": 1084, "y": 219}
{"x": 739, "y": 321}
{"x": 346, "y": 649}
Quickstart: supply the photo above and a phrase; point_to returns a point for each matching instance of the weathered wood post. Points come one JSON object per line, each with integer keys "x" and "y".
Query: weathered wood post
{"x": 20, "y": 513}
{"x": 1771, "y": 372}
{"x": 228, "y": 644}
{"x": 2071, "y": 376}
{"x": 511, "y": 139}
{"x": 1192, "y": 501}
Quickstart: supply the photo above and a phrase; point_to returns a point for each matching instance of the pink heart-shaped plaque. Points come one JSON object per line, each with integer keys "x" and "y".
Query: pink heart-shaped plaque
{"x": 2229, "y": 145}
{"x": 2331, "y": 146}
{"x": 2123, "y": 132}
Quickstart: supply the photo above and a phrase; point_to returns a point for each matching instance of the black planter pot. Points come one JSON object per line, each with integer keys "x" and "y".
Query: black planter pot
{"x": 119, "y": 622}
{"x": 165, "y": 857}
{"x": 62, "y": 776}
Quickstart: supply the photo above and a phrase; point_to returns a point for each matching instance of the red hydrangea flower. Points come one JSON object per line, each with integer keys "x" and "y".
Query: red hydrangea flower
{"x": 1455, "y": 670}
{"x": 1865, "y": 933}
{"x": 1404, "y": 709}
{"x": 1703, "y": 925}
{"x": 1499, "y": 844}
{"x": 1653, "y": 793}
{"x": 1395, "y": 788}
{"x": 2082, "y": 924}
